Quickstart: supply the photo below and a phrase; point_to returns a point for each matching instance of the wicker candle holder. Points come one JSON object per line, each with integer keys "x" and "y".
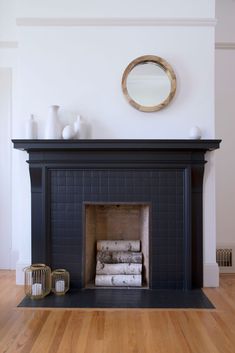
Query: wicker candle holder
{"x": 37, "y": 282}
{"x": 60, "y": 281}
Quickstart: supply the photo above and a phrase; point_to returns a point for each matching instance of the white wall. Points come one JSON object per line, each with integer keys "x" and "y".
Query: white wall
{"x": 107, "y": 8}
{"x": 225, "y": 121}
{"x": 80, "y": 68}
{"x": 225, "y": 163}
{"x": 5, "y": 167}
{"x": 8, "y": 10}
{"x": 225, "y": 14}
{"x": 8, "y": 64}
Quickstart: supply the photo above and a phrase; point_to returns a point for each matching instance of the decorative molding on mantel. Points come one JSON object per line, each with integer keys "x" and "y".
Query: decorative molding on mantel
{"x": 225, "y": 45}
{"x": 8, "y": 44}
{"x": 115, "y": 21}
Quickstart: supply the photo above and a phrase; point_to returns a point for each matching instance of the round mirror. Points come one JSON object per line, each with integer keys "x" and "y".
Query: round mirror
{"x": 149, "y": 83}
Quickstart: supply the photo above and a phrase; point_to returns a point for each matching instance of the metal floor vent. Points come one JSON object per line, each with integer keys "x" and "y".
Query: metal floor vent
{"x": 224, "y": 257}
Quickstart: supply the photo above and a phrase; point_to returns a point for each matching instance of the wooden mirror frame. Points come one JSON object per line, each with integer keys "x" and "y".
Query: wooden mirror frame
{"x": 165, "y": 66}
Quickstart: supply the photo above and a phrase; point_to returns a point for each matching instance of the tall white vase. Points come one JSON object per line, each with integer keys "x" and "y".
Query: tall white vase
{"x": 53, "y": 128}
{"x": 77, "y": 127}
{"x": 31, "y": 128}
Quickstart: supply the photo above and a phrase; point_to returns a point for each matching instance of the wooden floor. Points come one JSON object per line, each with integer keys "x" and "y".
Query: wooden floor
{"x": 117, "y": 331}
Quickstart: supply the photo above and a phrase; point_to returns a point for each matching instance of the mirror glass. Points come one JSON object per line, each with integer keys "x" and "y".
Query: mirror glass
{"x": 149, "y": 83}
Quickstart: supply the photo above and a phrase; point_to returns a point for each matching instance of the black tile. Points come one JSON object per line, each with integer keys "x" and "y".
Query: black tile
{"x": 71, "y": 188}
{"x": 122, "y": 298}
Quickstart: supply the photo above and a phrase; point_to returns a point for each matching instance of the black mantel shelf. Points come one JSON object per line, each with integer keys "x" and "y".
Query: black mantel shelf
{"x": 116, "y": 144}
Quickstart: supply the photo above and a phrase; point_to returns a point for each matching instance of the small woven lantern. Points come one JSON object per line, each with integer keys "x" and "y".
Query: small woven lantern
{"x": 37, "y": 282}
{"x": 60, "y": 281}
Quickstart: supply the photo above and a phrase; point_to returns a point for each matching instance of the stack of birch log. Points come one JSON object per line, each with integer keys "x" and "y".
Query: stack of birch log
{"x": 119, "y": 263}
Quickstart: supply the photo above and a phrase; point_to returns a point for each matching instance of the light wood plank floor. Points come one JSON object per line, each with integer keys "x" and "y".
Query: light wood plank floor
{"x": 117, "y": 331}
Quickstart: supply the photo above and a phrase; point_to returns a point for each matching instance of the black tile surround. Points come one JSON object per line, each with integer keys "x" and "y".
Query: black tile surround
{"x": 167, "y": 174}
{"x": 162, "y": 189}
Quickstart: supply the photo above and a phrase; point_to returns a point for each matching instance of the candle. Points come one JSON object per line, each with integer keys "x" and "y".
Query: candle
{"x": 59, "y": 286}
{"x": 37, "y": 289}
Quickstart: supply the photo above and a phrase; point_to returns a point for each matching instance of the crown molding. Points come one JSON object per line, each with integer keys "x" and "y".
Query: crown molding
{"x": 8, "y": 44}
{"x": 225, "y": 45}
{"x": 114, "y": 21}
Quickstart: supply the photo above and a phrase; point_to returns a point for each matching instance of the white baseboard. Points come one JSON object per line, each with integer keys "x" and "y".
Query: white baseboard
{"x": 20, "y": 271}
{"x": 211, "y": 275}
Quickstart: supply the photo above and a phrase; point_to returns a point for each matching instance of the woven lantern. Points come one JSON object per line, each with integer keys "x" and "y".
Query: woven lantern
{"x": 60, "y": 281}
{"x": 37, "y": 282}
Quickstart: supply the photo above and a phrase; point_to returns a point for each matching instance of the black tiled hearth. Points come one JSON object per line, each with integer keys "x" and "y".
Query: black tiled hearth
{"x": 122, "y": 298}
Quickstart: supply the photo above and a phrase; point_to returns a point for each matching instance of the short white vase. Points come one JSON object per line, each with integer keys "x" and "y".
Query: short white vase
{"x": 195, "y": 133}
{"x": 68, "y": 132}
{"x": 53, "y": 128}
{"x": 72, "y": 131}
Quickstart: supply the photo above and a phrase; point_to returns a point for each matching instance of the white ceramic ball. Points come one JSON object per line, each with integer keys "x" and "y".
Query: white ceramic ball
{"x": 195, "y": 133}
{"x": 68, "y": 132}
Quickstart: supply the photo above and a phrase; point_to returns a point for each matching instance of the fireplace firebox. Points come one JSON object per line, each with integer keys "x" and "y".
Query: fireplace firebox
{"x": 116, "y": 222}
{"x": 81, "y": 188}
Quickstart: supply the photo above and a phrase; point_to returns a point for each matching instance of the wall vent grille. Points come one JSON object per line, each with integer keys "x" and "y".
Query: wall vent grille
{"x": 224, "y": 257}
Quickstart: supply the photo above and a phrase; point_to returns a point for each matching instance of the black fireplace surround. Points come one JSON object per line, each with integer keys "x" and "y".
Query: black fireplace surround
{"x": 166, "y": 174}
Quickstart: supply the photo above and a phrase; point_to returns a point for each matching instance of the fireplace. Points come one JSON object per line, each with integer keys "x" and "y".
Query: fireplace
{"x": 115, "y": 222}
{"x": 87, "y": 190}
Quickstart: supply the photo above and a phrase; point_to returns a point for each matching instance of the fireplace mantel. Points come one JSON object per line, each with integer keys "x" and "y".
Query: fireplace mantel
{"x": 138, "y": 145}
{"x": 123, "y": 168}
{"x": 116, "y": 152}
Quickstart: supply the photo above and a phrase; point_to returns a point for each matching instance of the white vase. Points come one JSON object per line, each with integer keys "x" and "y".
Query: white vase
{"x": 195, "y": 133}
{"x": 83, "y": 129}
{"x": 68, "y": 132}
{"x": 53, "y": 128}
{"x": 31, "y": 128}
{"x": 77, "y": 127}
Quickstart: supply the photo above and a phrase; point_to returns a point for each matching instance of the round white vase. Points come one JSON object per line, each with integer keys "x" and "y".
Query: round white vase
{"x": 195, "y": 133}
{"x": 53, "y": 128}
{"x": 68, "y": 132}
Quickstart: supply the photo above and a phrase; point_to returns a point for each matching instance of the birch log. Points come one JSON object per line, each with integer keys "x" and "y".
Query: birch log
{"x": 118, "y": 245}
{"x": 110, "y": 257}
{"x": 118, "y": 280}
{"x": 118, "y": 269}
